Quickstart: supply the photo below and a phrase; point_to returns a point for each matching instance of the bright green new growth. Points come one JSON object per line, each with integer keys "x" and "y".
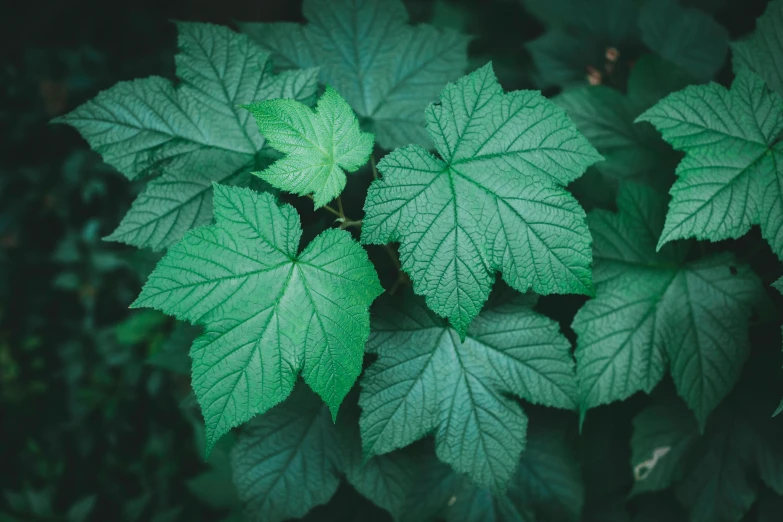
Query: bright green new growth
{"x": 319, "y": 145}
{"x": 194, "y": 133}
{"x": 387, "y": 69}
{"x": 493, "y": 201}
{"x": 732, "y": 174}
{"x": 268, "y": 313}
{"x": 762, "y": 51}
{"x": 425, "y": 380}
{"x": 651, "y": 309}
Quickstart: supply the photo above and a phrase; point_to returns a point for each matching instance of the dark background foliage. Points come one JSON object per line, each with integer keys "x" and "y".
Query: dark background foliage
{"x": 97, "y": 421}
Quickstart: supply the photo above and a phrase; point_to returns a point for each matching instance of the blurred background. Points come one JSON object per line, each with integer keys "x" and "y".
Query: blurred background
{"x": 97, "y": 421}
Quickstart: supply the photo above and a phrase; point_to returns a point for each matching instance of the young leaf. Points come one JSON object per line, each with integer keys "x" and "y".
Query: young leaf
{"x": 425, "y": 380}
{"x": 142, "y": 126}
{"x": 606, "y": 117}
{"x": 652, "y": 307}
{"x": 761, "y": 52}
{"x": 731, "y": 176}
{"x": 687, "y": 37}
{"x": 268, "y": 312}
{"x": 318, "y": 145}
{"x": 493, "y": 201}
{"x": 386, "y": 69}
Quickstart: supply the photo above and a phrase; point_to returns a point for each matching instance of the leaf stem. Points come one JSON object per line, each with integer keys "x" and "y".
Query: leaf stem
{"x": 345, "y": 222}
{"x": 375, "y": 174}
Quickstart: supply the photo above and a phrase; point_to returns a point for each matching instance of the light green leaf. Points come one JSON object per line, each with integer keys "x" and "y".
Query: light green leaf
{"x": 732, "y": 174}
{"x": 268, "y": 312}
{"x": 194, "y": 133}
{"x": 687, "y": 37}
{"x": 662, "y": 435}
{"x": 386, "y": 69}
{"x": 425, "y": 380}
{"x": 762, "y": 51}
{"x": 650, "y": 308}
{"x": 318, "y": 145}
{"x": 493, "y": 201}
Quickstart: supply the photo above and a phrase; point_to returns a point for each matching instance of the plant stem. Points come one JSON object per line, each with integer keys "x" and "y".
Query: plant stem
{"x": 345, "y": 222}
{"x": 375, "y": 174}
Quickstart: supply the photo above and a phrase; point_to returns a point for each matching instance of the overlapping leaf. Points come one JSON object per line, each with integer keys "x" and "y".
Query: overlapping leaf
{"x": 732, "y": 174}
{"x": 596, "y": 41}
{"x": 606, "y": 117}
{"x": 290, "y": 460}
{"x": 714, "y": 475}
{"x": 425, "y": 380}
{"x": 386, "y": 69}
{"x": 268, "y": 312}
{"x": 652, "y": 309}
{"x": 318, "y": 144}
{"x": 762, "y": 52}
{"x": 493, "y": 201}
{"x": 546, "y": 486}
{"x": 195, "y": 132}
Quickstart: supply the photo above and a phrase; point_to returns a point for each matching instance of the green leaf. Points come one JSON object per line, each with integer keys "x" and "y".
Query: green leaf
{"x": 652, "y": 309}
{"x": 425, "y": 380}
{"x": 718, "y": 486}
{"x": 287, "y": 461}
{"x": 546, "y": 486}
{"x": 662, "y": 435}
{"x": 193, "y": 132}
{"x": 493, "y": 201}
{"x": 318, "y": 145}
{"x": 606, "y": 117}
{"x": 578, "y": 37}
{"x": 731, "y": 176}
{"x": 386, "y": 69}
{"x": 761, "y": 52}
{"x": 686, "y": 37}
{"x": 268, "y": 312}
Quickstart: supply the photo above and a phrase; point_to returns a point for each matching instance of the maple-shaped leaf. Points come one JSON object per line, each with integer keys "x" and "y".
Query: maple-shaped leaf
{"x": 653, "y": 309}
{"x": 546, "y": 486}
{"x": 290, "y": 459}
{"x": 387, "y": 69}
{"x": 426, "y": 380}
{"x": 268, "y": 312}
{"x": 761, "y": 51}
{"x": 606, "y": 117}
{"x": 494, "y": 199}
{"x": 319, "y": 145}
{"x": 731, "y": 176}
{"x": 194, "y": 132}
